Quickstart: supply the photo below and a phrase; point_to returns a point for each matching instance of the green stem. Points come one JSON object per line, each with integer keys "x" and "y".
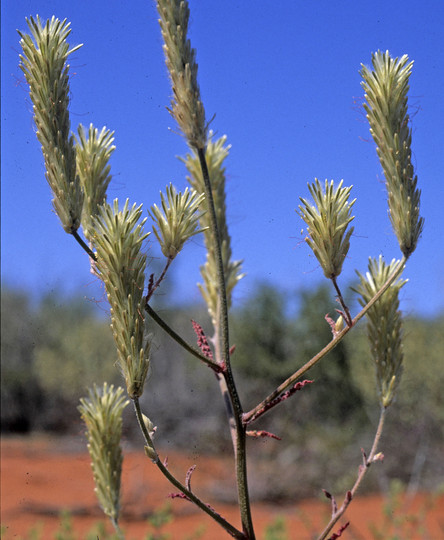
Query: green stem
{"x": 176, "y": 483}
{"x": 330, "y": 346}
{"x": 222, "y": 294}
{"x": 178, "y": 339}
{"x": 347, "y": 315}
{"x": 118, "y": 529}
{"x": 362, "y": 472}
{"x": 223, "y": 338}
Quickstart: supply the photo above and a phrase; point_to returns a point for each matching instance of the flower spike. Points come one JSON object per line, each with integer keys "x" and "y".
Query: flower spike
{"x": 216, "y": 153}
{"x": 92, "y": 156}
{"x": 118, "y": 238}
{"x": 327, "y": 222}
{"x": 186, "y": 107}
{"x": 178, "y": 219}
{"x": 44, "y": 63}
{"x": 386, "y": 90}
{"x": 384, "y": 326}
{"x": 102, "y": 414}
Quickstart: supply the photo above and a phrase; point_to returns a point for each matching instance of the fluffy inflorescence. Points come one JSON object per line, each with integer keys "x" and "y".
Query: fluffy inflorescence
{"x": 384, "y": 325}
{"x": 44, "y": 63}
{"x": 327, "y": 224}
{"x": 186, "y": 107}
{"x": 102, "y": 414}
{"x": 386, "y": 88}
{"x": 118, "y": 237}
{"x": 215, "y": 154}
{"x": 93, "y": 151}
{"x": 177, "y": 220}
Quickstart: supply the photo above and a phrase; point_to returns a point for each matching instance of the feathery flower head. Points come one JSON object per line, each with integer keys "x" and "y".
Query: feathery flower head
{"x": 178, "y": 219}
{"x": 215, "y": 154}
{"x": 386, "y": 88}
{"x": 384, "y": 325}
{"x": 102, "y": 414}
{"x": 186, "y": 107}
{"x": 44, "y": 63}
{"x": 93, "y": 151}
{"x": 118, "y": 237}
{"x": 328, "y": 220}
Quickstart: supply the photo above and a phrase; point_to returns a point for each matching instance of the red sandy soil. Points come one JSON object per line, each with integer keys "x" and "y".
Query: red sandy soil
{"x": 41, "y": 477}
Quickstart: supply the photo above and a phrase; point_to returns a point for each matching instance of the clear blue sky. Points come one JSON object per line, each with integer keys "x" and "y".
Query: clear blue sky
{"x": 282, "y": 78}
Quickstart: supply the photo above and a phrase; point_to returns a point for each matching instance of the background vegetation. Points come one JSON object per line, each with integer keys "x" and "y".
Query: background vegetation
{"x": 54, "y": 349}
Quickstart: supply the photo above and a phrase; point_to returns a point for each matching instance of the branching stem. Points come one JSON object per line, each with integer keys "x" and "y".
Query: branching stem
{"x": 222, "y": 294}
{"x": 84, "y": 245}
{"x": 159, "y": 280}
{"x": 362, "y": 472}
{"x": 347, "y": 315}
{"x": 330, "y": 346}
{"x": 178, "y": 339}
{"x": 176, "y": 483}
{"x": 222, "y": 336}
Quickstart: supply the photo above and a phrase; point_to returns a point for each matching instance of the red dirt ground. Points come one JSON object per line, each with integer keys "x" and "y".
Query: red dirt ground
{"x": 41, "y": 477}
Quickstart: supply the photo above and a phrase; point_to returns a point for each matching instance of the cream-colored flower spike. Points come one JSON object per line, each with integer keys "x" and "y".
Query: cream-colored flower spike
{"x": 102, "y": 413}
{"x": 93, "y": 151}
{"x": 186, "y": 107}
{"x": 386, "y": 88}
{"x": 177, "y": 220}
{"x": 327, "y": 221}
{"x": 118, "y": 238}
{"x": 216, "y": 153}
{"x": 44, "y": 63}
{"x": 384, "y": 326}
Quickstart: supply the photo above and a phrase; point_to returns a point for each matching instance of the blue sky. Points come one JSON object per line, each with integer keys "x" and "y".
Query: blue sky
{"x": 282, "y": 79}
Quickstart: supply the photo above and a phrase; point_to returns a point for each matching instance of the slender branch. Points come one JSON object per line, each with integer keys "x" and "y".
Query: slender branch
{"x": 223, "y": 387}
{"x": 223, "y": 337}
{"x": 189, "y": 348}
{"x": 337, "y": 514}
{"x": 159, "y": 280}
{"x": 222, "y": 294}
{"x": 347, "y": 315}
{"x": 84, "y": 246}
{"x": 117, "y": 529}
{"x": 282, "y": 397}
{"x": 330, "y": 346}
{"x": 228, "y": 408}
{"x": 235, "y": 533}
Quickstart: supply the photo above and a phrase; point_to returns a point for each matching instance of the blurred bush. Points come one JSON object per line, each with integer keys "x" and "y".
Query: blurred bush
{"x": 271, "y": 344}
{"x": 51, "y": 353}
{"x": 413, "y": 442}
{"x": 21, "y": 394}
{"x": 54, "y": 350}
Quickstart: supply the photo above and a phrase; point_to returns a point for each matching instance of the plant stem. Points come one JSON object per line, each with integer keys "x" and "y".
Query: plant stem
{"x": 228, "y": 407}
{"x": 222, "y": 337}
{"x": 84, "y": 245}
{"x": 330, "y": 346}
{"x": 176, "y": 483}
{"x": 222, "y": 294}
{"x": 159, "y": 280}
{"x": 118, "y": 529}
{"x": 189, "y": 348}
{"x": 347, "y": 316}
{"x": 362, "y": 472}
